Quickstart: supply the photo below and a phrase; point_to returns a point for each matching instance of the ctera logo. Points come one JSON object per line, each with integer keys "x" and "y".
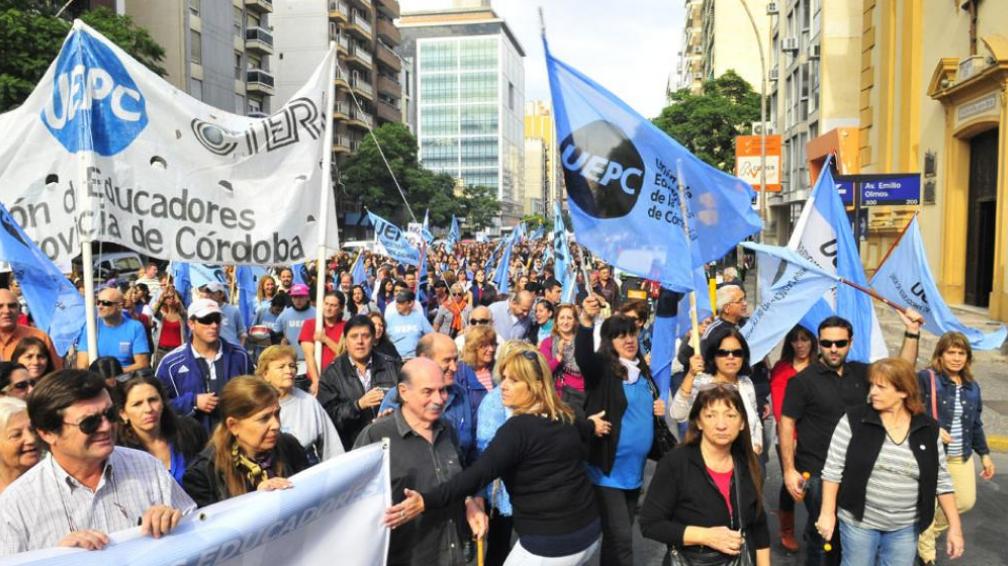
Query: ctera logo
{"x": 603, "y": 170}
{"x": 95, "y": 105}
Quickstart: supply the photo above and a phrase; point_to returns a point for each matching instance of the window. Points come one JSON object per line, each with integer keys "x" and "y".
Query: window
{"x": 510, "y": 95}
{"x": 196, "y": 88}
{"x": 238, "y": 66}
{"x": 239, "y": 15}
{"x": 195, "y": 47}
{"x": 254, "y": 105}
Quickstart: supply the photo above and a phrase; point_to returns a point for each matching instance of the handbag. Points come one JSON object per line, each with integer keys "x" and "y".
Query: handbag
{"x": 703, "y": 556}
{"x": 934, "y": 395}
{"x": 664, "y": 441}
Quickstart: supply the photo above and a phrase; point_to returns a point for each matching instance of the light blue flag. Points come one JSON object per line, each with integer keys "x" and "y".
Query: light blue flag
{"x": 55, "y": 304}
{"x": 183, "y": 282}
{"x": 561, "y": 250}
{"x": 790, "y": 285}
{"x": 568, "y": 294}
{"x": 823, "y": 235}
{"x": 905, "y": 279}
{"x": 622, "y": 175}
{"x": 500, "y": 278}
{"x": 454, "y": 234}
{"x": 200, "y": 274}
{"x": 538, "y": 233}
{"x": 704, "y": 309}
{"x": 667, "y": 328}
{"x": 425, "y": 230}
{"x": 246, "y": 277}
{"x": 394, "y": 241}
{"x": 299, "y": 273}
{"x": 357, "y": 272}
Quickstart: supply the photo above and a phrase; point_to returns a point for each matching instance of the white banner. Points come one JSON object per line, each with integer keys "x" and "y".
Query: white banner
{"x": 332, "y": 515}
{"x": 104, "y": 148}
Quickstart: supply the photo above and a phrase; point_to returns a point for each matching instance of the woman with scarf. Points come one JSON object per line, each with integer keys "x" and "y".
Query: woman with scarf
{"x": 453, "y": 313}
{"x": 558, "y": 349}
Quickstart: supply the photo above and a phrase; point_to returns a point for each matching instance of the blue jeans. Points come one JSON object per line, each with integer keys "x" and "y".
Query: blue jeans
{"x": 814, "y": 553}
{"x": 882, "y": 548}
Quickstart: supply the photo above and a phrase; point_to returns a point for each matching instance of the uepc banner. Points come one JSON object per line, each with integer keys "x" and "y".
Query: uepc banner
{"x": 332, "y": 515}
{"x": 104, "y": 149}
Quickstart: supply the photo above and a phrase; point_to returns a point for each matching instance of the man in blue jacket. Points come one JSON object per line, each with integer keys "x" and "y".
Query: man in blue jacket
{"x": 195, "y": 372}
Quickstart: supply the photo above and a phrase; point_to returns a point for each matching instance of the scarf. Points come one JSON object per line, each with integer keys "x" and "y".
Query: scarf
{"x": 254, "y": 471}
{"x": 633, "y": 372}
{"x": 456, "y": 308}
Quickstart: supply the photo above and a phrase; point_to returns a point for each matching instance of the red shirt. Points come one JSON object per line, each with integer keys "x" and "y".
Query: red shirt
{"x": 334, "y": 332}
{"x": 171, "y": 334}
{"x": 723, "y": 483}
{"x": 780, "y": 375}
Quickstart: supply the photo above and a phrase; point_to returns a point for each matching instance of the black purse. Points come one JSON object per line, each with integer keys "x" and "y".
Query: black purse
{"x": 664, "y": 441}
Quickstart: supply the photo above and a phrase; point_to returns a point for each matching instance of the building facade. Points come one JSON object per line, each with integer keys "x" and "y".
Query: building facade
{"x": 218, "y": 51}
{"x": 690, "y": 69}
{"x": 718, "y": 36}
{"x": 468, "y": 95}
{"x": 539, "y": 125}
{"x": 536, "y": 175}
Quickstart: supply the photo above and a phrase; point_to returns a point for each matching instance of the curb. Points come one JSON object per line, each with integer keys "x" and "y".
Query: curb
{"x": 997, "y": 443}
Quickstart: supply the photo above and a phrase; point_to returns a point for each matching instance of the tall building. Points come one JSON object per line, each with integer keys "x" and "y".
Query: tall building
{"x": 718, "y": 36}
{"x": 539, "y": 125}
{"x": 690, "y": 70}
{"x": 217, "y": 51}
{"x": 811, "y": 95}
{"x": 468, "y": 94}
{"x": 536, "y": 173}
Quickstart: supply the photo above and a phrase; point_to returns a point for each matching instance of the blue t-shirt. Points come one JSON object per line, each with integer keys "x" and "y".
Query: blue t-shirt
{"x": 289, "y": 324}
{"x": 232, "y": 326}
{"x": 636, "y": 436}
{"x": 405, "y": 331}
{"x": 121, "y": 342}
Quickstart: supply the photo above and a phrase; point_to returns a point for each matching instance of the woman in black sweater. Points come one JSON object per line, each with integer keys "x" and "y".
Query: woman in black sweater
{"x": 704, "y": 499}
{"x": 539, "y": 453}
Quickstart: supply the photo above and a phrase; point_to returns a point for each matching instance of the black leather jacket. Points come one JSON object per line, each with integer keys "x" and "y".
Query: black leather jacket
{"x": 340, "y": 388}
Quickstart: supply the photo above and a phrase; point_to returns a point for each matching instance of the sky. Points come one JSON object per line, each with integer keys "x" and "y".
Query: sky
{"x": 630, "y": 47}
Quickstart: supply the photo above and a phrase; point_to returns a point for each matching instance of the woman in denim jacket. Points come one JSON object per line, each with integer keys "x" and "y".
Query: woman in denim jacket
{"x": 952, "y": 397}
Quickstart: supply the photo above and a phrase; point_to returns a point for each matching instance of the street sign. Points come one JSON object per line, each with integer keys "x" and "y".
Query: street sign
{"x": 880, "y": 189}
{"x": 846, "y": 190}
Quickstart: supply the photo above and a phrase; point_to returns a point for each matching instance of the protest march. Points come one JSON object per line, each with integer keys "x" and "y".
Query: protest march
{"x": 251, "y": 391}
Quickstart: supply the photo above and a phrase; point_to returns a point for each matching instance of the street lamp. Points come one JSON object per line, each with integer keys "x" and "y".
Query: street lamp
{"x": 763, "y": 124}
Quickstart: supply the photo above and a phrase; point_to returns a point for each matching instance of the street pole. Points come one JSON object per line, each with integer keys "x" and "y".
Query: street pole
{"x": 763, "y": 124}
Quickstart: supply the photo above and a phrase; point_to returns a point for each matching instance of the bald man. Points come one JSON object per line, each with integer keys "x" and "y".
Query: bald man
{"x": 511, "y": 316}
{"x": 119, "y": 337}
{"x": 440, "y": 349}
{"x": 11, "y": 332}
{"x": 479, "y": 316}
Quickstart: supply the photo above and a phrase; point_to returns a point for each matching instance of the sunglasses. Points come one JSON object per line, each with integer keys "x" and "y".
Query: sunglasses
{"x": 737, "y": 353}
{"x": 827, "y": 344}
{"x": 22, "y": 385}
{"x": 11, "y": 306}
{"x": 103, "y": 303}
{"x": 456, "y": 294}
{"x": 479, "y": 321}
{"x": 209, "y": 319}
{"x": 89, "y": 425}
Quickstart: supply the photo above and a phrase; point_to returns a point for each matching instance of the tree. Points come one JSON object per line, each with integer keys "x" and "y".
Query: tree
{"x": 706, "y": 124}
{"x": 367, "y": 181}
{"x": 31, "y": 36}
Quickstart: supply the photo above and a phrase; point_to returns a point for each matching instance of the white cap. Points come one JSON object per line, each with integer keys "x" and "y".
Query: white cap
{"x": 202, "y": 307}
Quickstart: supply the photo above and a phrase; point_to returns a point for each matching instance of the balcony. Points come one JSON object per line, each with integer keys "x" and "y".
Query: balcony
{"x": 361, "y": 119}
{"x": 389, "y": 87}
{"x": 258, "y": 39}
{"x": 339, "y": 11}
{"x": 388, "y": 31}
{"x": 261, "y": 6}
{"x": 259, "y": 80}
{"x": 362, "y": 87}
{"x": 388, "y": 113}
{"x": 341, "y": 110}
{"x": 360, "y": 26}
{"x": 389, "y": 7}
{"x": 341, "y": 82}
{"x": 362, "y": 4}
{"x": 360, "y": 56}
{"x": 387, "y": 57}
{"x": 341, "y": 144}
{"x": 342, "y": 41}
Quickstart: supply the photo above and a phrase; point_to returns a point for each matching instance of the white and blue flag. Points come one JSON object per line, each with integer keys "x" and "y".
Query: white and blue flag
{"x": 393, "y": 241}
{"x": 623, "y": 175}
{"x": 454, "y": 234}
{"x": 905, "y": 279}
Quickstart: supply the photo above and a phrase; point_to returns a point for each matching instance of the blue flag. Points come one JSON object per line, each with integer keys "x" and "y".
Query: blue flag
{"x": 905, "y": 279}
{"x": 454, "y": 234}
{"x": 425, "y": 230}
{"x": 357, "y": 272}
{"x": 500, "y": 278}
{"x": 55, "y": 304}
{"x": 667, "y": 329}
{"x": 561, "y": 250}
{"x": 299, "y": 273}
{"x": 790, "y": 285}
{"x": 823, "y": 235}
{"x": 246, "y": 277}
{"x": 181, "y": 277}
{"x": 704, "y": 309}
{"x": 622, "y": 175}
{"x": 394, "y": 241}
{"x": 200, "y": 274}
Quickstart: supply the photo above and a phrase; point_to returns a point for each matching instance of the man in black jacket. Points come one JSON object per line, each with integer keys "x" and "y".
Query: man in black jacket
{"x": 352, "y": 387}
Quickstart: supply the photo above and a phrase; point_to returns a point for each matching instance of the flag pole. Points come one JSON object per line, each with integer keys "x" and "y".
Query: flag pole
{"x": 684, "y": 211}
{"x": 87, "y": 262}
{"x": 326, "y": 192}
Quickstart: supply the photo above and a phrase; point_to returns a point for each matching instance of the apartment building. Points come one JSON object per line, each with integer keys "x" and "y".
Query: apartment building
{"x": 539, "y": 125}
{"x": 718, "y": 36}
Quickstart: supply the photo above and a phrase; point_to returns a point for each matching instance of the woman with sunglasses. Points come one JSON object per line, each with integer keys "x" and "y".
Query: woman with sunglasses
{"x": 539, "y": 452}
{"x": 799, "y": 350}
{"x": 247, "y": 451}
{"x": 705, "y": 500}
{"x": 18, "y": 448}
{"x": 558, "y": 349}
{"x": 453, "y": 313}
{"x": 382, "y": 344}
{"x": 15, "y": 381}
{"x": 150, "y": 424}
{"x": 32, "y": 353}
{"x": 618, "y": 382}
{"x": 300, "y": 413}
{"x": 726, "y": 357}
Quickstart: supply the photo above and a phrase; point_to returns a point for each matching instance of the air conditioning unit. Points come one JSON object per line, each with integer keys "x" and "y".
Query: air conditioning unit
{"x": 790, "y": 44}
{"x": 757, "y": 128}
{"x": 772, "y": 74}
{"x": 771, "y": 9}
{"x": 813, "y": 51}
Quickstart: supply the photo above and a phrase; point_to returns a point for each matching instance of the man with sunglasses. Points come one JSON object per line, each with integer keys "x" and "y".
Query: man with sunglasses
{"x": 11, "y": 331}
{"x": 814, "y": 402}
{"x": 122, "y": 338}
{"x": 479, "y": 316}
{"x": 194, "y": 373}
{"x": 86, "y": 486}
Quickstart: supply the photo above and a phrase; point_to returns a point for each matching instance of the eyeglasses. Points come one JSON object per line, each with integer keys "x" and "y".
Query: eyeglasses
{"x": 737, "y": 353}
{"x": 214, "y": 318}
{"x": 22, "y": 385}
{"x": 456, "y": 294}
{"x": 89, "y": 425}
{"x": 478, "y": 321}
{"x": 103, "y": 303}
{"x": 827, "y": 344}
{"x": 11, "y": 306}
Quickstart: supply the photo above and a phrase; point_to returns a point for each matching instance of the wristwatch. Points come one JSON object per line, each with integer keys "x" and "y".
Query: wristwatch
{"x": 908, "y": 334}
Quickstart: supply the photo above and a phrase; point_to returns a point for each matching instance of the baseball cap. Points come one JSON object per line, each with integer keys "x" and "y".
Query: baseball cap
{"x": 299, "y": 290}
{"x": 214, "y": 287}
{"x": 202, "y": 307}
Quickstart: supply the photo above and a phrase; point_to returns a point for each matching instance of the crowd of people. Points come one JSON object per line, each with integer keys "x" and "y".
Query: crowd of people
{"x": 514, "y": 418}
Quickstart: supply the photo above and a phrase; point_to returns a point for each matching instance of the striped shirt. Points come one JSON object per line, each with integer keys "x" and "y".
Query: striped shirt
{"x": 891, "y": 494}
{"x": 45, "y": 504}
{"x": 955, "y": 448}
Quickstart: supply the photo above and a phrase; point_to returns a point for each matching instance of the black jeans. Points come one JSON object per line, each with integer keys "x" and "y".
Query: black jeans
{"x": 498, "y": 540}
{"x": 618, "y": 508}
{"x": 784, "y": 501}
{"x": 815, "y": 555}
